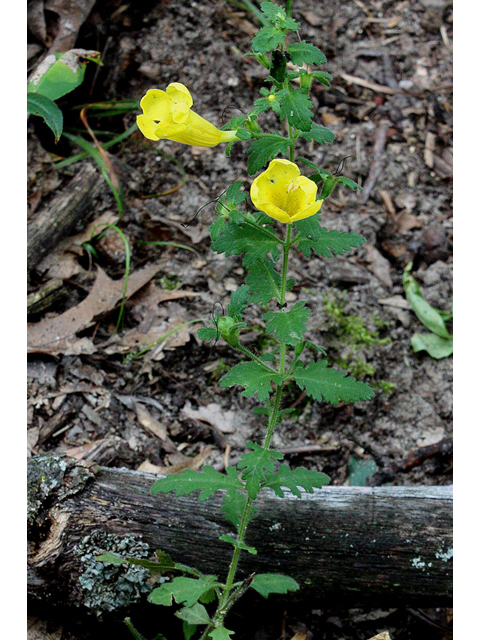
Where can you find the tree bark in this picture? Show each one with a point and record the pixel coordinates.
(348, 544)
(60, 218)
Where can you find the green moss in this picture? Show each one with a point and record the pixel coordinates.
(356, 338)
(107, 586)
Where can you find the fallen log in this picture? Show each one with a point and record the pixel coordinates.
(59, 219)
(350, 544)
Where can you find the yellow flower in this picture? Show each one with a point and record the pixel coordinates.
(167, 115)
(282, 193)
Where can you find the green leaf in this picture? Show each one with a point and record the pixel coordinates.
(208, 333)
(295, 106)
(359, 470)
(188, 630)
(111, 558)
(60, 73)
(220, 633)
(195, 615)
(322, 77)
(349, 183)
(185, 590)
(267, 39)
(264, 149)
(436, 346)
(325, 383)
(266, 583)
(288, 326)
(255, 242)
(428, 315)
(234, 505)
(238, 302)
(238, 545)
(322, 241)
(137, 635)
(207, 482)
(38, 105)
(318, 133)
(305, 52)
(257, 465)
(252, 376)
(264, 283)
(294, 478)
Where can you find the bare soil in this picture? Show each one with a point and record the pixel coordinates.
(392, 64)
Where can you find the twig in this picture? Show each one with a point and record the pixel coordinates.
(377, 165)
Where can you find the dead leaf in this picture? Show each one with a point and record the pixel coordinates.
(378, 265)
(213, 414)
(37, 630)
(406, 221)
(301, 635)
(382, 636)
(396, 301)
(151, 425)
(71, 15)
(57, 335)
(189, 463)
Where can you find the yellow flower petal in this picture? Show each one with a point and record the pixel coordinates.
(147, 126)
(282, 193)
(156, 104)
(178, 92)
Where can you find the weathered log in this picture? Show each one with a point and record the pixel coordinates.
(344, 543)
(59, 219)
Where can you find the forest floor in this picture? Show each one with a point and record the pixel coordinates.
(95, 398)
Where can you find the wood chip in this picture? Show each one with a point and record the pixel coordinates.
(429, 149)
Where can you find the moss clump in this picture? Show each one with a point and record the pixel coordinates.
(107, 586)
(356, 338)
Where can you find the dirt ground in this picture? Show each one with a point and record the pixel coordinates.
(392, 69)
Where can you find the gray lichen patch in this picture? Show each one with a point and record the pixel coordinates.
(52, 476)
(106, 587)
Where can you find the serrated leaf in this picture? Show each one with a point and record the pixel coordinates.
(238, 302)
(207, 482)
(294, 478)
(234, 505)
(318, 134)
(266, 583)
(238, 545)
(264, 149)
(324, 242)
(264, 282)
(197, 614)
(323, 77)
(185, 590)
(252, 376)
(273, 12)
(111, 558)
(256, 465)
(267, 39)
(305, 52)
(255, 242)
(288, 326)
(436, 346)
(295, 106)
(220, 633)
(349, 183)
(325, 383)
(208, 333)
(38, 105)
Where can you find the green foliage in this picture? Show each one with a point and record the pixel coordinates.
(360, 470)
(256, 242)
(324, 242)
(325, 383)
(267, 583)
(207, 482)
(296, 107)
(319, 134)
(264, 282)
(288, 326)
(294, 478)
(255, 378)
(257, 467)
(439, 342)
(185, 590)
(264, 149)
(305, 53)
(38, 105)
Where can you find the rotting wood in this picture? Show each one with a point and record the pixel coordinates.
(59, 219)
(347, 544)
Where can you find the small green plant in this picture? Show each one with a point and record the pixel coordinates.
(284, 217)
(353, 332)
(56, 76)
(439, 342)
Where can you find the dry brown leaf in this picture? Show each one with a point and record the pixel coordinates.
(37, 630)
(378, 265)
(382, 636)
(189, 463)
(301, 635)
(213, 414)
(57, 335)
(407, 221)
(72, 14)
(151, 425)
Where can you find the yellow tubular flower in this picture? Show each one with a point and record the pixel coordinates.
(167, 115)
(282, 193)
